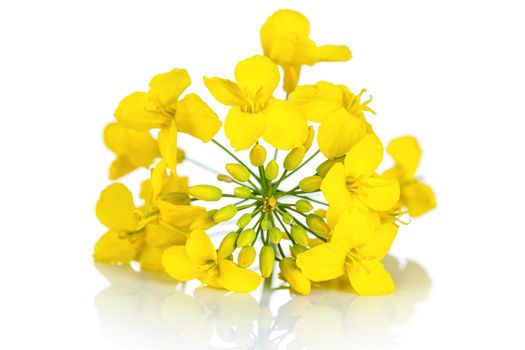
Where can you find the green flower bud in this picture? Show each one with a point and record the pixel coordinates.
(177, 198)
(266, 260)
(246, 256)
(320, 212)
(227, 245)
(242, 192)
(287, 218)
(299, 235)
(272, 170)
(224, 178)
(258, 155)
(297, 249)
(294, 158)
(225, 213)
(244, 220)
(246, 238)
(265, 224)
(238, 172)
(317, 225)
(310, 184)
(325, 166)
(275, 235)
(303, 206)
(205, 192)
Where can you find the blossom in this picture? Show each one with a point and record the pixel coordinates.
(161, 108)
(285, 40)
(198, 259)
(255, 113)
(340, 112)
(416, 196)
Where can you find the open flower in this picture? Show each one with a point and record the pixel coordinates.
(340, 112)
(255, 113)
(359, 243)
(198, 259)
(285, 40)
(160, 108)
(355, 183)
(416, 196)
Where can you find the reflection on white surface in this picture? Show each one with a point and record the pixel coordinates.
(141, 310)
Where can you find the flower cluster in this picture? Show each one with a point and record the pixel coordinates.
(343, 236)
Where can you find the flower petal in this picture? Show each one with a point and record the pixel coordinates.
(138, 112)
(200, 249)
(243, 129)
(323, 262)
(167, 141)
(379, 242)
(364, 157)
(178, 265)
(225, 91)
(369, 277)
(333, 53)
(418, 198)
(151, 259)
(334, 187)
(110, 248)
(167, 87)
(406, 153)
(237, 279)
(286, 125)
(196, 118)
(318, 101)
(115, 208)
(378, 193)
(258, 76)
(179, 216)
(283, 23)
(355, 228)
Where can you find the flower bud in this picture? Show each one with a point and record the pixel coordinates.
(303, 206)
(242, 192)
(311, 133)
(225, 213)
(297, 249)
(287, 218)
(258, 155)
(299, 235)
(266, 261)
(275, 235)
(325, 166)
(265, 224)
(244, 220)
(272, 170)
(246, 256)
(227, 245)
(320, 212)
(246, 238)
(177, 198)
(310, 184)
(318, 225)
(294, 276)
(238, 172)
(294, 158)
(224, 178)
(205, 192)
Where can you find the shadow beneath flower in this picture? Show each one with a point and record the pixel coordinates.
(143, 310)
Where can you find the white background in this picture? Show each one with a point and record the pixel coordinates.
(450, 72)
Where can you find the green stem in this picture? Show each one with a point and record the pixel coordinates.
(280, 180)
(285, 230)
(235, 157)
(306, 227)
(310, 199)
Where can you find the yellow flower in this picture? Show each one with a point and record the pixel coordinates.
(133, 148)
(285, 40)
(161, 108)
(358, 245)
(416, 196)
(198, 259)
(355, 183)
(255, 113)
(340, 112)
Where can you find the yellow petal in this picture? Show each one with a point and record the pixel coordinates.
(418, 198)
(243, 129)
(237, 279)
(160, 234)
(323, 262)
(225, 91)
(111, 248)
(158, 177)
(295, 277)
(167, 87)
(138, 112)
(369, 277)
(138, 146)
(258, 76)
(151, 259)
(286, 125)
(318, 101)
(333, 53)
(178, 265)
(339, 132)
(364, 157)
(294, 50)
(196, 118)
(334, 187)
(355, 228)
(115, 208)
(406, 153)
(378, 193)
(175, 183)
(120, 167)
(379, 242)
(179, 216)
(200, 249)
(168, 145)
(283, 23)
